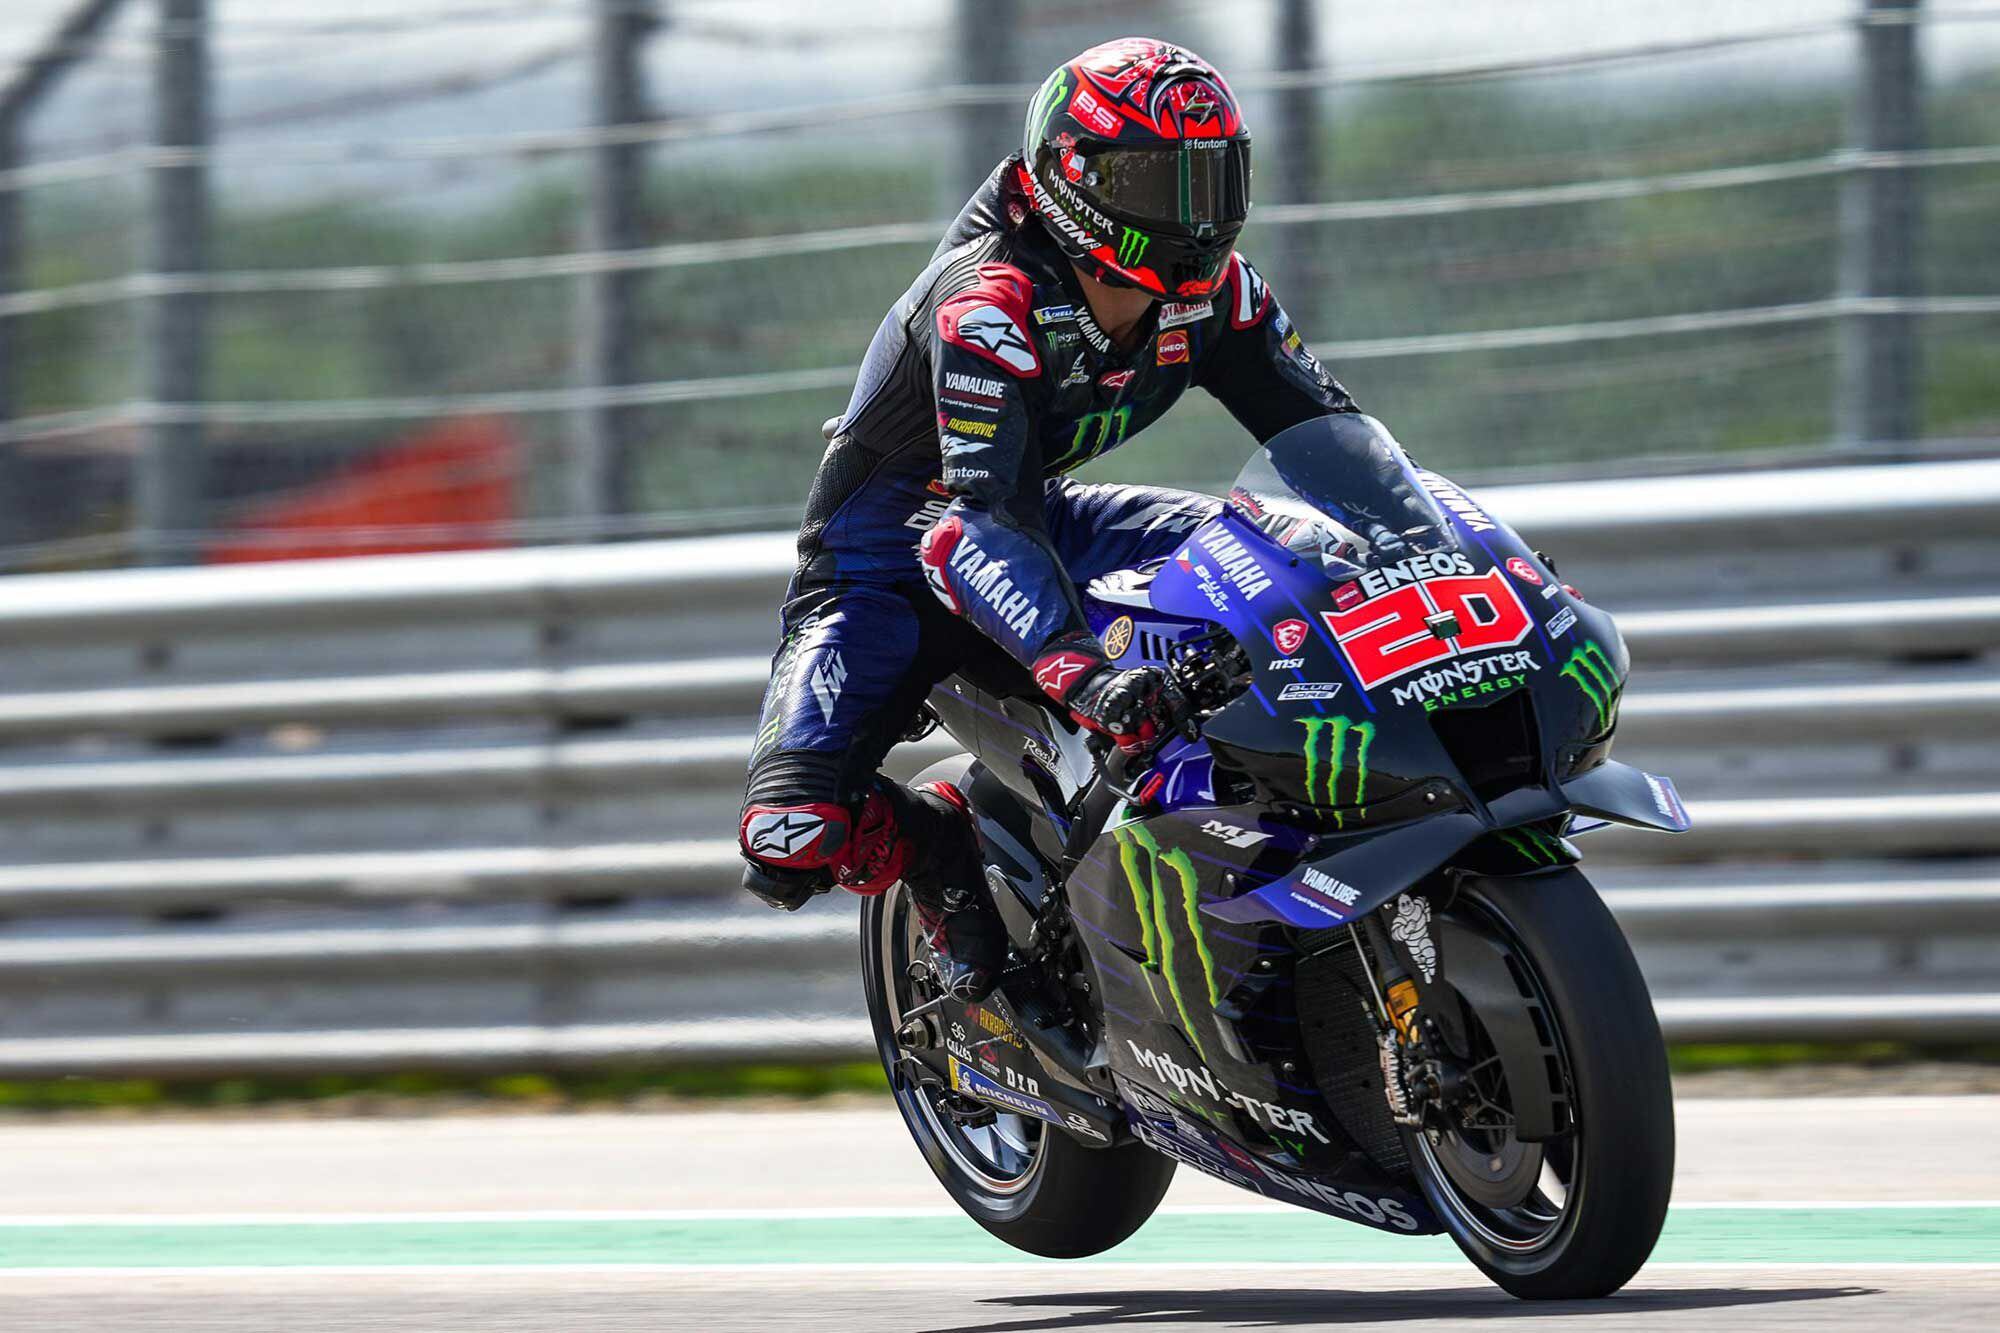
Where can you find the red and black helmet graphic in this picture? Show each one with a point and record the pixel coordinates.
(1136, 157)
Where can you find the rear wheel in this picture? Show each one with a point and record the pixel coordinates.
(1027, 1182)
(1576, 1214)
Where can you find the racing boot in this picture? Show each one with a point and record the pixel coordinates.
(954, 906)
(924, 838)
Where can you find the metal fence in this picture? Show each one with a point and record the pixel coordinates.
(544, 271)
(474, 810)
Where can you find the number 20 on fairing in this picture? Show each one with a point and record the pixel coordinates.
(1385, 637)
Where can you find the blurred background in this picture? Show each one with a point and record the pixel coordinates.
(538, 304)
(284, 278)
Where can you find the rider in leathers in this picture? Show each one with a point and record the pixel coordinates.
(1080, 292)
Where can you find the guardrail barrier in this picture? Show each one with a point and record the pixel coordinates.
(478, 810)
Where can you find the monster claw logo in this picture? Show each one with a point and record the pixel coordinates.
(1327, 760)
(1132, 247)
(1141, 858)
(1535, 846)
(1597, 678)
(1096, 433)
(1047, 102)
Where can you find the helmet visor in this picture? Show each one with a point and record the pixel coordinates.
(1195, 184)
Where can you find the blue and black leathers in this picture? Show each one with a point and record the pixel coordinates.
(986, 384)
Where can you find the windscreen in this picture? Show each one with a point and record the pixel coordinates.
(1341, 488)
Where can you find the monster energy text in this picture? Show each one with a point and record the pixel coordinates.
(1327, 759)
(1140, 856)
(1456, 682)
(1596, 677)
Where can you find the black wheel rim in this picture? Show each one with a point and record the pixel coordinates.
(1480, 1169)
(1002, 1153)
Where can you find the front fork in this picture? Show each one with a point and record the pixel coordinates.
(1417, 1070)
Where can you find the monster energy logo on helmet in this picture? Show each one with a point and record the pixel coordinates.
(1045, 104)
(1327, 760)
(1596, 677)
(1140, 856)
(1132, 247)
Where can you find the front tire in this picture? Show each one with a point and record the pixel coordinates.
(1026, 1182)
(1602, 1185)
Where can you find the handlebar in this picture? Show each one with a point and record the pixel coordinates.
(1208, 672)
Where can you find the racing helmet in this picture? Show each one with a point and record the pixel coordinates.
(1136, 158)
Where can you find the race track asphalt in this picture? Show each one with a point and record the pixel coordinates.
(1833, 1213)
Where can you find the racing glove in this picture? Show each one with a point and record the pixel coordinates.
(1128, 706)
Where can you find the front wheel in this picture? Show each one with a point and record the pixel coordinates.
(1574, 1214)
(1027, 1182)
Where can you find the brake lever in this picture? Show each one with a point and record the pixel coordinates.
(1183, 717)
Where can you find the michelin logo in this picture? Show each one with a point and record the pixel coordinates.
(1412, 929)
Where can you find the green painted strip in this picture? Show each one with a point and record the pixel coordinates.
(1876, 1235)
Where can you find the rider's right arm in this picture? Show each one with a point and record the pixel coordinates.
(989, 558)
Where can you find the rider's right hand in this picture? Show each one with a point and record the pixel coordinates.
(1131, 707)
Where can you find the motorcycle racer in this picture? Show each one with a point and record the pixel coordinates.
(1081, 291)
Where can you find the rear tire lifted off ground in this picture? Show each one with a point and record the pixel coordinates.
(1028, 1183)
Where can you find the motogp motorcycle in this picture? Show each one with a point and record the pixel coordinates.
(1326, 939)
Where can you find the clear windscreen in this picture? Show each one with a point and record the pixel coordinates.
(1342, 490)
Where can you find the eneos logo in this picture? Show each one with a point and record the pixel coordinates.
(1173, 348)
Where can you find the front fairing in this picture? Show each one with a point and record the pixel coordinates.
(1356, 712)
